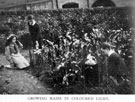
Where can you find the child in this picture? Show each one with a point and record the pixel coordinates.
(13, 55)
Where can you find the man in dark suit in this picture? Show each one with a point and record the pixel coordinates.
(114, 64)
(34, 31)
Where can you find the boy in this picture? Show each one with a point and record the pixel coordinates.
(114, 65)
(34, 31)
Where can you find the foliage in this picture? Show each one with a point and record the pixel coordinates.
(57, 22)
(69, 36)
(68, 71)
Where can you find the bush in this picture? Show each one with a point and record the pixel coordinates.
(68, 29)
(2, 46)
(54, 23)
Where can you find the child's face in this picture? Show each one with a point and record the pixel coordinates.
(14, 40)
(104, 51)
(30, 22)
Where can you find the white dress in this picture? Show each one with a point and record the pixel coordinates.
(16, 58)
(19, 60)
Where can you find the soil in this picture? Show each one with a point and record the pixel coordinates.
(15, 81)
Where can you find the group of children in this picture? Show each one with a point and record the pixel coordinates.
(114, 65)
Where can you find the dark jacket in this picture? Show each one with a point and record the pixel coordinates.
(34, 30)
(116, 65)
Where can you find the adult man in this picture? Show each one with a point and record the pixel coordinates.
(34, 31)
(114, 65)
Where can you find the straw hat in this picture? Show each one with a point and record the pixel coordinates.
(10, 36)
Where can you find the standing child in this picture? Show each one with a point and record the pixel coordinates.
(34, 30)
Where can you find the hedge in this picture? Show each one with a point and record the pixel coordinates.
(53, 23)
(59, 21)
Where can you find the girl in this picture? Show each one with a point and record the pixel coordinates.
(12, 52)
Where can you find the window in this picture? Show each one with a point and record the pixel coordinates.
(71, 5)
(103, 3)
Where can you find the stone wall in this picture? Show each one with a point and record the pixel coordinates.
(82, 3)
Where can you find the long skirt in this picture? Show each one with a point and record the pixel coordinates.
(20, 61)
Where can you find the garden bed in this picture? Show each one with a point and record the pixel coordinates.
(65, 31)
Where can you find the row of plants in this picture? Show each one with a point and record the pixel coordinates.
(67, 59)
(68, 37)
(57, 22)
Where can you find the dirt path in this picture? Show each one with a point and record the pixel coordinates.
(19, 82)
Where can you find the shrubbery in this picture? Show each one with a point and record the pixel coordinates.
(70, 29)
(110, 22)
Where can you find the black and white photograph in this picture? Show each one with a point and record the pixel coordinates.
(67, 47)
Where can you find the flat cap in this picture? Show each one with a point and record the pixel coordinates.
(106, 45)
(30, 17)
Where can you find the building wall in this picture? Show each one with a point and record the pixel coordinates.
(118, 3)
(86, 3)
(82, 3)
(121, 3)
(54, 2)
(4, 3)
(31, 4)
(43, 5)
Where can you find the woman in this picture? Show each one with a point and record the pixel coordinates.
(12, 52)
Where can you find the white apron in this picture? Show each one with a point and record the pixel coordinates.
(19, 61)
